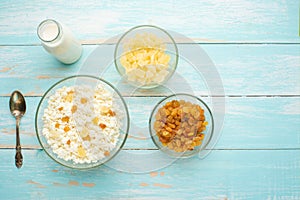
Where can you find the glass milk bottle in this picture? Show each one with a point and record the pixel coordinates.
(59, 41)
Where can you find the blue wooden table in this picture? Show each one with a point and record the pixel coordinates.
(255, 47)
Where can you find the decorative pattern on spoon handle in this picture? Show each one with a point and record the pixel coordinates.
(18, 157)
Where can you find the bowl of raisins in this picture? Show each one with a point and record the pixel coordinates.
(181, 125)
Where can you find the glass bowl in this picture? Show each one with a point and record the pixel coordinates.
(82, 122)
(181, 125)
(146, 56)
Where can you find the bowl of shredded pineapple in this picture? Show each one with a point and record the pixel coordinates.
(146, 56)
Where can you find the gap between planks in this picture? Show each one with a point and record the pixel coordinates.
(182, 43)
(159, 95)
(10, 147)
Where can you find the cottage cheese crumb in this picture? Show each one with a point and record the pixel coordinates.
(81, 124)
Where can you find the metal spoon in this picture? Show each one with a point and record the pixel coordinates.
(17, 107)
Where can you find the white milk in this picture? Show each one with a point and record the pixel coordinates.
(58, 40)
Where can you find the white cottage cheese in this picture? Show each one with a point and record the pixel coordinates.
(81, 124)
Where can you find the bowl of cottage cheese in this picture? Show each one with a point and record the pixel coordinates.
(82, 122)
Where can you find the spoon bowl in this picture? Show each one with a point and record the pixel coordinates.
(17, 104)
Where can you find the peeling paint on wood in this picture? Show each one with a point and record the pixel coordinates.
(5, 69)
(153, 174)
(161, 185)
(137, 138)
(73, 183)
(144, 184)
(59, 184)
(88, 184)
(43, 77)
(38, 185)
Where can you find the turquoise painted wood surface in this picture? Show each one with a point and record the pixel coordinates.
(241, 67)
(255, 47)
(207, 21)
(237, 174)
(250, 123)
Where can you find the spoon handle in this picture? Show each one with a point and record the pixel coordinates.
(18, 157)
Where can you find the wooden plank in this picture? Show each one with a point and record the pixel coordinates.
(250, 123)
(205, 21)
(222, 175)
(241, 68)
